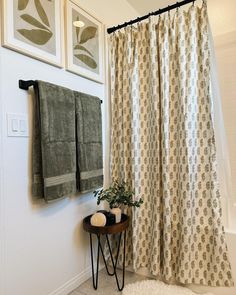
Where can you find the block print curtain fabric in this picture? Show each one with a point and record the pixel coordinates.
(163, 146)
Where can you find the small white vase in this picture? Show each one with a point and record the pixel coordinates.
(117, 213)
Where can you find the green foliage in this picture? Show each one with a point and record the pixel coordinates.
(90, 62)
(33, 21)
(80, 47)
(84, 35)
(37, 36)
(77, 29)
(87, 34)
(22, 4)
(41, 12)
(117, 195)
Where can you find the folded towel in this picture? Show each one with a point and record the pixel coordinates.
(54, 142)
(89, 142)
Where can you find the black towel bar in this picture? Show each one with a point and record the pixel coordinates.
(26, 84)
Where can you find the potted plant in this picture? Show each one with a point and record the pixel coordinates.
(117, 195)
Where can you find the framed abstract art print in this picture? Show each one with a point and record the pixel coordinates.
(34, 28)
(85, 43)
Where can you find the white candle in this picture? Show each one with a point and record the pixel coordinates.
(98, 219)
(117, 213)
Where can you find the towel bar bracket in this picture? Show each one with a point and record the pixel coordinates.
(26, 84)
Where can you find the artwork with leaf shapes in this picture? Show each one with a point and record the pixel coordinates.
(84, 43)
(31, 27)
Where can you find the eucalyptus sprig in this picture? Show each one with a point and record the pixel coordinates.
(117, 195)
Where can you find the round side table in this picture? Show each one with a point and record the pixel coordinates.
(117, 228)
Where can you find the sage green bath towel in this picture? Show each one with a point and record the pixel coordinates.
(54, 142)
(89, 142)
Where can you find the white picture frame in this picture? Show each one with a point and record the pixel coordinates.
(35, 29)
(84, 46)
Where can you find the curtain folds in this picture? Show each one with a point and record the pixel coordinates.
(163, 147)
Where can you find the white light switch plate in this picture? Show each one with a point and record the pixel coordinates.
(17, 125)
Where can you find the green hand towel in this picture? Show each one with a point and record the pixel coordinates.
(54, 142)
(89, 142)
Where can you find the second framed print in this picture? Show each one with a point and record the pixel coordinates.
(85, 43)
(35, 28)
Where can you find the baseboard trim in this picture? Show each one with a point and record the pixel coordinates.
(75, 282)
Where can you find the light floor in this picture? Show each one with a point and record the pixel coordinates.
(106, 284)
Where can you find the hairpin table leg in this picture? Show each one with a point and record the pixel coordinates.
(114, 262)
(104, 259)
(95, 280)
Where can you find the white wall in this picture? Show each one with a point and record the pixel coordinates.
(1, 195)
(223, 24)
(43, 247)
(222, 16)
(225, 48)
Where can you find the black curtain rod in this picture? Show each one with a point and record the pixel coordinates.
(26, 84)
(139, 19)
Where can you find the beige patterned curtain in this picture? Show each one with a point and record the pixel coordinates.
(163, 146)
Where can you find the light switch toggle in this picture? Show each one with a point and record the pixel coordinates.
(23, 125)
(17, 125)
